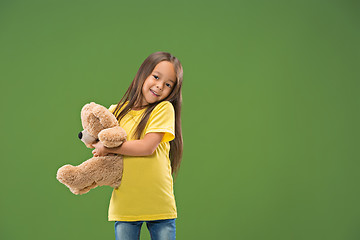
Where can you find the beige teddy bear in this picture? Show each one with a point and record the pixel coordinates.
(99, 125)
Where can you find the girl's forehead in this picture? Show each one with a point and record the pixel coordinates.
(164, 65)
(166, 68)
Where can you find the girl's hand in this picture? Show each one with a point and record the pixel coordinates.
(100, 150)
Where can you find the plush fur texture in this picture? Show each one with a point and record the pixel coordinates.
(99, 125)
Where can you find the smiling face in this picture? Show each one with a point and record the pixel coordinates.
(159, 84)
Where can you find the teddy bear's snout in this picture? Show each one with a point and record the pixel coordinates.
(86, 138)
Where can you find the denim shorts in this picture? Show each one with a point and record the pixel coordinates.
(159, 229)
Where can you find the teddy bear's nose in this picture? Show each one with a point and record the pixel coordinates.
(80, 135)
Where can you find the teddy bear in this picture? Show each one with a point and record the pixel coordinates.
(99, 124)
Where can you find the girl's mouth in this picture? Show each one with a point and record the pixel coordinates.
(154, 93)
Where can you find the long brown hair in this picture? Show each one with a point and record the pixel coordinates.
(134, 96)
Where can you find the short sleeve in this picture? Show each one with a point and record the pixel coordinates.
(162, 119)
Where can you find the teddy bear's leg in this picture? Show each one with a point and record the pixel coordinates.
(75, 177)
(67, 175)
(109, 171)
(90, 174)
(96, 171)
(117, 180)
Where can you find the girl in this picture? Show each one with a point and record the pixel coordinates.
(149, 112)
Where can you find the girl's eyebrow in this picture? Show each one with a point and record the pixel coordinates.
(161, 74)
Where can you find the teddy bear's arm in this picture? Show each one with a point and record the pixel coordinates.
(112, 137)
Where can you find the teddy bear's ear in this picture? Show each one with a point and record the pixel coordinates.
(106, 118)
(95, 118)
(112, 137)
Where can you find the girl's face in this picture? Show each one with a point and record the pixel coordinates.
(159, 83)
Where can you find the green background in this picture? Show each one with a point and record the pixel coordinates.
(270, 113)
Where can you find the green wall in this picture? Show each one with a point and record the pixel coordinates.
(270, 113)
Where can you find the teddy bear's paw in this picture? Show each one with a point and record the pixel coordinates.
(72, 177)
(112, 137)
(79, 191)
(86, 189)
(75, 191)
(66, 174)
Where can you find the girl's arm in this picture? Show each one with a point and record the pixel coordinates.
(143, 147)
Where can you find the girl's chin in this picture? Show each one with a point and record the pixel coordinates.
(149, 101)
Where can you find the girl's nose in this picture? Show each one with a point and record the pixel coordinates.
(159, 86)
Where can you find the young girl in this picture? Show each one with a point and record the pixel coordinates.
(149, 112)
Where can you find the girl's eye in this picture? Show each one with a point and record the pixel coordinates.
(168, 85)
(156, 77)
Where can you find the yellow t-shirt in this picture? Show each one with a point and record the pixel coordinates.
(146, 190)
